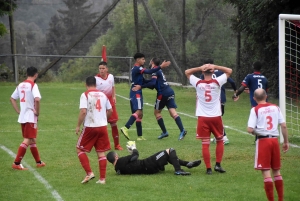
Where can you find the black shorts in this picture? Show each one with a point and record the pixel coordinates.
(156, 162)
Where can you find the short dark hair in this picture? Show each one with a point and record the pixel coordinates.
(138, 55)
(90, 81)
(257, 65)
(31, 71)
(102, 63)
(156, 61)
(111, 156)
(208, 61)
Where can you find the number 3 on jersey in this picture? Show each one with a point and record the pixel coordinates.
(98, 105)
(207, 96)
(269, 122)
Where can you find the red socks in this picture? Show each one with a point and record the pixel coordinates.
(21, 152)
(205, 153)
(102, 167)
(115, 133)
(219, 150)
(35, 152)
(84, 162)
(279, 186)
(268, 183)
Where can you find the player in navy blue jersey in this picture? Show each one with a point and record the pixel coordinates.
(136, 97)
(216, 74)
(165, 98)
(253, 81)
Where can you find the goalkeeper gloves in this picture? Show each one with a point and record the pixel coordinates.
(131, 146)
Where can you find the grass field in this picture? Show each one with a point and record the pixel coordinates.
(60, 179)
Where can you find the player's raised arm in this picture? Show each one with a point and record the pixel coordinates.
(191, 71)
(226, 70)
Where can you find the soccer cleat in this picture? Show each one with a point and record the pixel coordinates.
(208, 171)
(219, 169)
(124, 130)
(140, 138)
(100, 181)
(118, 147)
(166, 134)
(18, 167)
(182, 172)
(88, 178)
(193, 164)
(41, 164)
(182, 134)
(225, 140)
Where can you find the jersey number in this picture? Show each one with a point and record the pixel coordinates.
(259, 84)
(207, 96)
(98, 105)
(269, 122)
(23, 98)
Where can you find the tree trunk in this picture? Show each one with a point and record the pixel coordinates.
(13, 45)
(183, 47)
(238, 52)
(177, 69)
(136, 26)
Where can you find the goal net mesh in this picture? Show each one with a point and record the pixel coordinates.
(292, 76)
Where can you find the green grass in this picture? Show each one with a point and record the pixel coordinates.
(57, 139)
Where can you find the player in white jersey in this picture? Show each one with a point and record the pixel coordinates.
(29, 95)
(95, 109)
(208, 110)
(263, 122)
(105, 83)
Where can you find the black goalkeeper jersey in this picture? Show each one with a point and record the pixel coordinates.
(151, 165)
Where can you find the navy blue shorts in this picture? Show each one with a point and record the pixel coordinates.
(165, 101)
(136, 102)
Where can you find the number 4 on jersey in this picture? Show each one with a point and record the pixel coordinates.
(98, 105)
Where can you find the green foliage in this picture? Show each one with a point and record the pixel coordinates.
(258, 22)
(208, 35)
(5, 8)
(57, 139)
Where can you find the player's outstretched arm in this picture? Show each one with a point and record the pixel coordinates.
(235, 96)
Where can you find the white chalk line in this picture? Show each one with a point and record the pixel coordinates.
(231, 128)
(41, 179)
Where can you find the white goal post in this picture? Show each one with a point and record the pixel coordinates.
(289, 67)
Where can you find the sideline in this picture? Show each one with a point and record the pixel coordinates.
(231, 128)
(41, 179)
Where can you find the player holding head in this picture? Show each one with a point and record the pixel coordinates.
(263, 122)
(165, 98)
(216, 74)
(153, 164)
(29, 95)
(136, 97)
(252, 82)
(94, 132)
(208, 110)
(105, 83)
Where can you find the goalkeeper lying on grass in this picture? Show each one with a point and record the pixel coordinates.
(151, 165)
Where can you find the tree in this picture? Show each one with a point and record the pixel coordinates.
(258, 22)
(6, 6)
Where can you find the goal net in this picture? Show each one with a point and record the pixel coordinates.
(289, 73)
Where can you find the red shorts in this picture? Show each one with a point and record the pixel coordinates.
(29, 130)
(267, 154)
(208, 125)
(94, 137)
(114, 116)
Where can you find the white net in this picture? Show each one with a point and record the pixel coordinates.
(292, 77)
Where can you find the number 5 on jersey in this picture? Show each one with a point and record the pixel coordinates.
(207, 96)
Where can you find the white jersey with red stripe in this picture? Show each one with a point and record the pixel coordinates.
(264, 119)
(96, 104)
(26, 91)
(208, 95)
(105, 85)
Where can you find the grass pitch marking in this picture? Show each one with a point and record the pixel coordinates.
(41, 179)
(231, 128)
